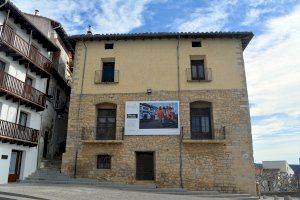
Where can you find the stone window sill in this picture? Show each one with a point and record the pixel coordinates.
(189, 141)
(102, 141)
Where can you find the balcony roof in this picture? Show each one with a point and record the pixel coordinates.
(245, 37)
(27, 25)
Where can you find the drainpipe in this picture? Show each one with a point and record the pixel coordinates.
(78, 131)
(181, 129)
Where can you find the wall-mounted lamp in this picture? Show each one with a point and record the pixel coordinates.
(149, 91)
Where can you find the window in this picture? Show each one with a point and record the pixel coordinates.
(106, 124)
(201, 120)
(196, 44)
(109, 45)
(108, 72)
(29, 81)
(2, 66)
(23, 118)
(197, 70)
(103, 162)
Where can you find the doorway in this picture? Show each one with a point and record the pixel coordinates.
(15, 166)
(145, 166)
(46, 138)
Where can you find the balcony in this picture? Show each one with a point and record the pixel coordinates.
(205, 77)
(106, 76)
(17, 90)
(17, 134)
(216, 136)
(20, 50)
(107, 135)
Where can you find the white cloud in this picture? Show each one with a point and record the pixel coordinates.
(273, 71)
(254, 14)
(279, 148)
(118, 16)
(210, 18)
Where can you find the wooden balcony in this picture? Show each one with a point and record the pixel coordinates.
(17, 134)
(17, 90)
(20, 50)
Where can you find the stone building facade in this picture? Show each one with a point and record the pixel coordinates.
(158, 67)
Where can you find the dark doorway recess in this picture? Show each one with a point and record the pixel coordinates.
(144, 165)
(46, 141)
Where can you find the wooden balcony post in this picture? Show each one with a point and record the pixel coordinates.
(16, 121)
(47, 86)
(4, 23)
(30, 38)
(6, 18)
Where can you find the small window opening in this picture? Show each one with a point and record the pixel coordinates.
(109, 45)
(103, 162)
(196, 44)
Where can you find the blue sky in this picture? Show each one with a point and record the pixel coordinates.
(272, 59)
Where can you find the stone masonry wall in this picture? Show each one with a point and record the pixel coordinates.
(206, 166)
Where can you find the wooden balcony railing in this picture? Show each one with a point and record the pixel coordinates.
(97, 133)
(12, 131)
(16, 42)
(16, 87)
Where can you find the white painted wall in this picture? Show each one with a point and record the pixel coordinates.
(282, 165)
(9, 112)
(28, 165)
(19, 71)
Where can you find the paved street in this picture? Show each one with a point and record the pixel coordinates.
(75, 192)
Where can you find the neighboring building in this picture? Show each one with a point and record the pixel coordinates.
(55, 117)
(168, 108)
(281, 165)
(276, 176)
(25, 66)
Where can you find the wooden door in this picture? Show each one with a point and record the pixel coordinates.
(15, 166)
(144, 166)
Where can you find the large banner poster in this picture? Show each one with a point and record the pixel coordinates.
(152, 118)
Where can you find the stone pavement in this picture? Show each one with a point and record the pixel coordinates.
(20, 191)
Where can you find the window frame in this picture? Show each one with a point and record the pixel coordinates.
(196, 44)
(199, 74)
(108, 74)
(106, 130)
(27, 118)
(108, 46)
(104, 165)
(205, 128)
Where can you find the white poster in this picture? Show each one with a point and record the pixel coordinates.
(152, 118)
